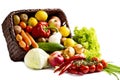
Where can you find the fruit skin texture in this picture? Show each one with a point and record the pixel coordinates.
(32, 21)
(36, 58)
(65, 31)
(24, 17)
(92, 68)
(55, 21)
(99, 67)
(55, 59)
(69, 42)
(16, 19)
(28, 29)
(41, 15)
(84, 69)
(104, 63)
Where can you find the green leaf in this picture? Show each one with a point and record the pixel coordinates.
(88, 38)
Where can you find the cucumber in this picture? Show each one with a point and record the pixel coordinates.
(50, 46)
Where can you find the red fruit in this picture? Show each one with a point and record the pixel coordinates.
(84, 69)
(99, 67)
(104, 63)
(92, 68)
(95, 59)
(28, 29)
(55, 59)
(55, 21)
(72, 71)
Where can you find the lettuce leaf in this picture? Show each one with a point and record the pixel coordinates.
(88, 38)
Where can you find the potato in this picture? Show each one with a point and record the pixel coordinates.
(17, 29)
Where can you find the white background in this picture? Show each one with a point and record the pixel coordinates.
(103, 15)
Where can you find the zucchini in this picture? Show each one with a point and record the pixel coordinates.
(50, 46)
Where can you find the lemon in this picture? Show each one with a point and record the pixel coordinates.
(41, 15)
(69, 42)
(32, 21)
(65, 31)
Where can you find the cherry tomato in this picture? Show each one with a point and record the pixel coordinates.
(29, 29)
(104, 63)
(99, 67)
(95, 59)
(23, 25)
(72, 71)
(92, 68)
(84, 69)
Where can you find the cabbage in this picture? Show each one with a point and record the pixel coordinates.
(36, 58)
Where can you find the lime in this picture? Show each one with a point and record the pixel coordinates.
(65, 31)
(41, 15)
(69, 42)
(32, 21)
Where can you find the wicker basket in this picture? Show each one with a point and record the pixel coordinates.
(16, 53)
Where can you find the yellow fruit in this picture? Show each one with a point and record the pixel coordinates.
(65, 31)
(41, 15)
(69, 42)
(32, 21)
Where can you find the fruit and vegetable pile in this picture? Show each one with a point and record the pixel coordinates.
(47, 44)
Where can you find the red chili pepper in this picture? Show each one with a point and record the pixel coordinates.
(68, 61)
(65, 68)
(41, 30)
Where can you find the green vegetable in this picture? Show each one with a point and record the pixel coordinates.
(50, 46)
(113, 69)
(88, 38)
(91, 53)
(36, 58)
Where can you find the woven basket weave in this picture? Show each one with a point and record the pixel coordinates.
(16, 53)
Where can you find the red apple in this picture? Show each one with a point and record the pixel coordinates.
(55, 21)
(55, 59)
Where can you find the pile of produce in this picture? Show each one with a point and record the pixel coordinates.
(47, 44)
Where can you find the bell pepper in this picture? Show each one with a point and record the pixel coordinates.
(41, 30)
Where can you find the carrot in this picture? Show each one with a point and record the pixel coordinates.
(22, 44)
(18, 37)
(26, 38)
(34, 44)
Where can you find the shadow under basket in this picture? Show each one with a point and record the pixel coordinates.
(16, 53)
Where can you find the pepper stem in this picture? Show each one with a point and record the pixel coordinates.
(52, 26)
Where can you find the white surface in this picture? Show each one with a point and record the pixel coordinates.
(103, 15)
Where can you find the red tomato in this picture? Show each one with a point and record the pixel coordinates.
(104, 63)
(72, 71)
(92, 68)
(84, 69)
(95, 59)
(99, 67)
(29, 29)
